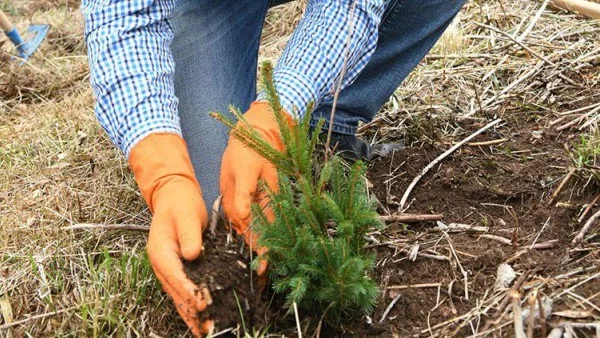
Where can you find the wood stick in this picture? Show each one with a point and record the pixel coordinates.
(440, 158)
(498, 238)
(500, 309)
(107, 227)
(414, 286)
(389, 308)
(298, 327)
(436, 257)
(459, 227)
(519, 327)
(539, 246)
(539, 233)
(542, 313)
(464, 272)
(40, 316)
(578, 119)
(450, 301)
(588, 208)
(487, 143)
(586, 227)
(406, 218)
(568, 112)
(544, 245)
(533, 21)
(561, 186)
(534, 53)
(585, 8)
(532, 300)
(5, 22)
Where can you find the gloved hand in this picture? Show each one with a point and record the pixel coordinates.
(164, 174)
(242, 168)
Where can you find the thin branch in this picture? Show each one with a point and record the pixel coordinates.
(40, 316)
(389, 308)
(132, 227)
(561, 186)
(298, 327)
(539, 233)
(586, 227)
(414, 286)
(518, 319)
(588, 209)
(487, 143)
(408, 218)
(440, 158)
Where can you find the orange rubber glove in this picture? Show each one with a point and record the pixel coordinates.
(242, 168)
(164, 174)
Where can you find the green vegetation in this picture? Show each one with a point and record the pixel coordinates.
(322, 212)
(585, 154)
(587, 151)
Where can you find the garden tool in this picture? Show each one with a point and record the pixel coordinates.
(25, 48)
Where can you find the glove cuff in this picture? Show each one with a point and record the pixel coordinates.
(157, 159)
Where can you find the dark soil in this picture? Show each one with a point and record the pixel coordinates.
(505, 187)
(225, 269)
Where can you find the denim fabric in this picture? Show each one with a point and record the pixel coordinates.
(408, 31)
(215, 51)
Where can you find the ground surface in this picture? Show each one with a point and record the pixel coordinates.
(58, 169)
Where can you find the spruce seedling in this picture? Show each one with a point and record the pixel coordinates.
(317, 255)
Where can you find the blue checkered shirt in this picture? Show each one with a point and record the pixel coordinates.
(132, 66)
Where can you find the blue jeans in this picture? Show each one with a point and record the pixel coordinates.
(216, 52)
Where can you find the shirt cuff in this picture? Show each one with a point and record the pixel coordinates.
(294, 89)
(136, 135)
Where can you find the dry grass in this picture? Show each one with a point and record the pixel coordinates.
(57, 168)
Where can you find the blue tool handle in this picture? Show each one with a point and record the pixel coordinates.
(16, 39)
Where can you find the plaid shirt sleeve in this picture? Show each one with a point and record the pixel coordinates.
(131, 65)
(309, 69)
(131, 68)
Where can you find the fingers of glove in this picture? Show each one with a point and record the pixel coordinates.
(245, 190)
(262, 267)
(187, 311)
(190, 219)
(252, 241)
(238, 180)
(168, 268)
(269, 174)
(208, 326)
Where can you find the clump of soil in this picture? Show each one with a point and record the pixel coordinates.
(224, 267)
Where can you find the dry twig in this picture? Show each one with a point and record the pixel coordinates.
(588, 208)
(414, 286)
(35, 317)
(440, 158)
(408, 218)
(586, 227)
(107, 227)
(561, 186)
(389, 308)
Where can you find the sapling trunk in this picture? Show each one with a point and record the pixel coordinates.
(317, 254)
